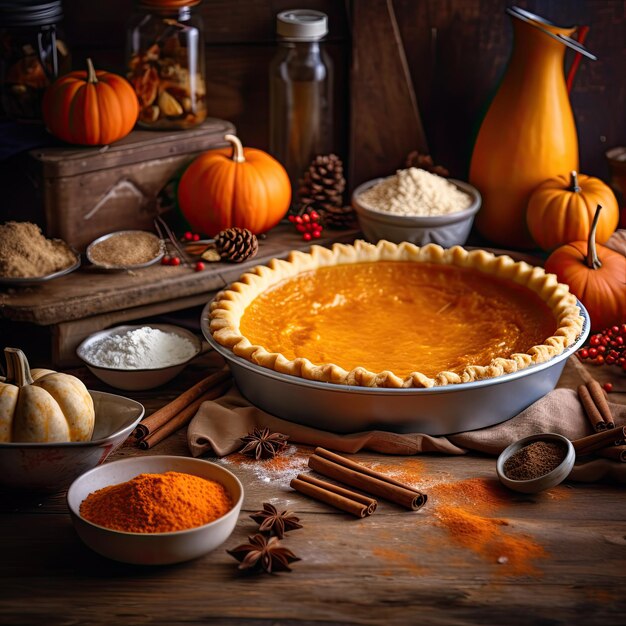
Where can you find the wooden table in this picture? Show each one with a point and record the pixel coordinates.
(395, 567)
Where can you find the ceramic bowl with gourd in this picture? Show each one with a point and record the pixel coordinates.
(52, 428)
(153, 548)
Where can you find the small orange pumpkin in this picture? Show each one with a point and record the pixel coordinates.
(561, 210)
(90, 107)
(242, 187)
(596, 275)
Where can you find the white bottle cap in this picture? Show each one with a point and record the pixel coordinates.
(301, 25)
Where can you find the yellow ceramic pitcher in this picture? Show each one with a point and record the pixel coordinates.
(528, 134)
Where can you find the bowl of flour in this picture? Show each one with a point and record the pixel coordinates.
(139, 357)
(416, 206)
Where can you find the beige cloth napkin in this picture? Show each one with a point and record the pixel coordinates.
(218, 425)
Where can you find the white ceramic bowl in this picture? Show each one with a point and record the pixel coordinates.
(445, 230)
(153, 548)
(551, 479)
(53, 466)
(136, 379)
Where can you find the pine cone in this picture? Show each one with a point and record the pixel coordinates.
(339, 217)
(236, 244)
(425, 162)
(321, 189)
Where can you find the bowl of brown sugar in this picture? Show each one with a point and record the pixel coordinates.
(125, 250)
(536, 463)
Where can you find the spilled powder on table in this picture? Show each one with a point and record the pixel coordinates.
(488, 537)
(398, 558)
(278, 470)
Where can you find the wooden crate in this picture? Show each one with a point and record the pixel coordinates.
(82, 193)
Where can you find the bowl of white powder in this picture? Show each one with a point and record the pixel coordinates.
(139, 357)
(416, 206)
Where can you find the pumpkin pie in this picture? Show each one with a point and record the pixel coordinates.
(390, 315)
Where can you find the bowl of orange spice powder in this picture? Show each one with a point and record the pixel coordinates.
(155, 510)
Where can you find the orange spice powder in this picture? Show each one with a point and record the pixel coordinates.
(486, 537)
(481, 493)
(157, 503)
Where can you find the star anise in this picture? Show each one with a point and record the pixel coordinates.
(261, 554)
(263, 444)
(272, 521)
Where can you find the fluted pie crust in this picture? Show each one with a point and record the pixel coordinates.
(273, 288)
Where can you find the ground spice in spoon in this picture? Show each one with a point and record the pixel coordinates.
(535, 460)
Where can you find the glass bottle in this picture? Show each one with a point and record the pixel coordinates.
(301, 107)
(33, 53)
(165, 63)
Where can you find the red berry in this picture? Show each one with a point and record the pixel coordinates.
(188, 236)
(292, 218)
(608, 387)
(298, 219)
(196, 237)
(593, 353)
(306, 236)
(316, 234)
(174, 261)
(199, 266)
(595, 340)
(599, 360)
(584, 353)
(306, 217)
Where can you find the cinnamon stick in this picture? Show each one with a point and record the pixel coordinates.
(182, 418)
(597, 394)
(402, 495)
(590, 408)
(343, 499)
(604, 439)
(616, 453)
(161, 416)
(346, 462)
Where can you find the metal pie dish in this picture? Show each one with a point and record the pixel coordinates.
(551, 479)
(153, 548)
(53, 466)
(30, 281)
(117, 268)
(445, 230)
(136, 379)
(442, 410)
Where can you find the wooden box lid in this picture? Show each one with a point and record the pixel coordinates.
(139, 146)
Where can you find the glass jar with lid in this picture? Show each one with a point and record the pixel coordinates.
(301, 107)
(165, 63)
(33, 53)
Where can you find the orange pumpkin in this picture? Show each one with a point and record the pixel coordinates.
(561, 210)
(596, 275)
(90, 107)
(242, 187)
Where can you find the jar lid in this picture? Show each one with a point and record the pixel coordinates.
(302, 25)
(168, 4)
(30, 12)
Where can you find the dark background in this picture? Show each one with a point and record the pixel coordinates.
(456, 52)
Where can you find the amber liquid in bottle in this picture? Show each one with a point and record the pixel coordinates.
(300, 107)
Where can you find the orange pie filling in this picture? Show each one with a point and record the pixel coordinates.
(395, 315)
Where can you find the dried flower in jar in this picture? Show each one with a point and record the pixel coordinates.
(166, 69)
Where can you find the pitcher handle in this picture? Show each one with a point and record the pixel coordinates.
(581, 35)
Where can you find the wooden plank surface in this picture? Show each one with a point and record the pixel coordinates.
(385, 122)
(395, 567)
